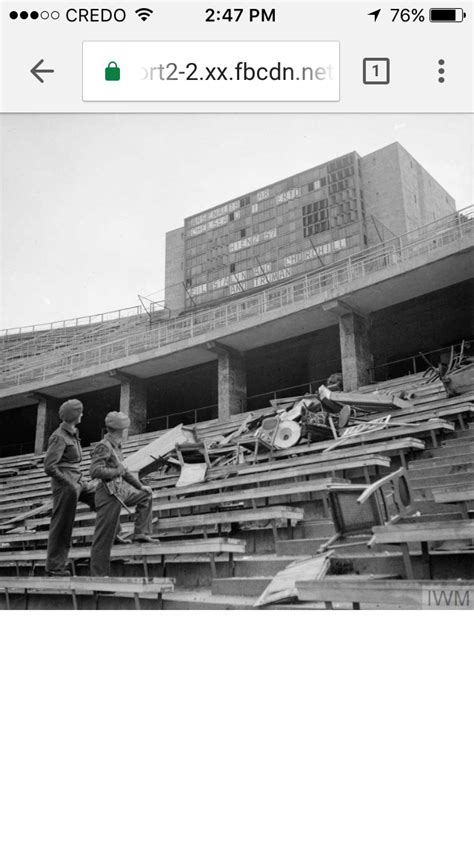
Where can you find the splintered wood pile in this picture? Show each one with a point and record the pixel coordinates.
(149, 458)
(456, 374)
(309, 418)
(283, 587)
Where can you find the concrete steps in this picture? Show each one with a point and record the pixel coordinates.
(441, 480)
(445, 515)
(425, 492)
(426, 495)
(248, 566)
(468, 433)
(308, 538)
(430, 471)
(452, 456)
(432, 509)
(387, 561)
(254, 587)
(457, 563)
(204, 599)
(317, 529)
(240, 586)
(444, 457)
(309, 546)
(455, 444)
(459, 451)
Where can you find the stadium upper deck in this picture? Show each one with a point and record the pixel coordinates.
(410, 293)
(38, 356)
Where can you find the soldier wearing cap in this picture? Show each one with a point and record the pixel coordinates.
(114, 487)
(62, 463)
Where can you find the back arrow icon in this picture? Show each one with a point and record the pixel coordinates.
(36, 70)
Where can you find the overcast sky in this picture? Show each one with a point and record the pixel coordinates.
(87, 199)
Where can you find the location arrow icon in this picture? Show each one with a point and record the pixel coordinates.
(375, 14)
(36, 70)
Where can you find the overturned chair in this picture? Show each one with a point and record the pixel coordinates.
(357, 510)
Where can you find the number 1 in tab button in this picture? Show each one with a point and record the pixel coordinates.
(376, 71)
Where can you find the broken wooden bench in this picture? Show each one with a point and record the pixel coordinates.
(232, 502)
(406, 533)
(202, 523)
(258, 479)
(463, 496)
(211, 550)
(82, 586)
(25, 507)
(431, 427)
(404, 595)
(404, 433)
(273, 476)
(8, 472)
(455, 408)
(331, 463)
(311, 454)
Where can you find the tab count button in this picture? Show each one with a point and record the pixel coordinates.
(376, 71)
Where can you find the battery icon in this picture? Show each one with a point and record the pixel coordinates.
(447, 15)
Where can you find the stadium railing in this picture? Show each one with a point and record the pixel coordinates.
(84, 351)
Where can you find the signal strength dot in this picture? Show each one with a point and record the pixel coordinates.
(143, 13)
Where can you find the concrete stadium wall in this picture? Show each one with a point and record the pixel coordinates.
(18, 431)
(176, 392)
(96, 406)
(400, 193)
(441, 318)
(174, 270)
(431, 321)
(304, 359)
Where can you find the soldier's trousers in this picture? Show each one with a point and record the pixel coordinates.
(107, 524)
(65, 499)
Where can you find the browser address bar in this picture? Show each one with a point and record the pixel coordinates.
(210, 71)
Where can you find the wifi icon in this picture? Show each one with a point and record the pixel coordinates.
(143, 14)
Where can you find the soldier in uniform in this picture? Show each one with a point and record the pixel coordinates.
(62, 463)
(114, 486)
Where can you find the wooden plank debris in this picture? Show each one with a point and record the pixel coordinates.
(26, 515)
(373, 401)
(146, 459)
(85, 584)
(283, 586)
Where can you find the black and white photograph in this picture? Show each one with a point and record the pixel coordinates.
(236, 421)
(237, 362)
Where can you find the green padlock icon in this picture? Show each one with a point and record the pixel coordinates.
(112, 72)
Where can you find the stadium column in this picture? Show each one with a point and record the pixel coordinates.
(133, 401)
(47, 420)
(356, 357)
(231, 381)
